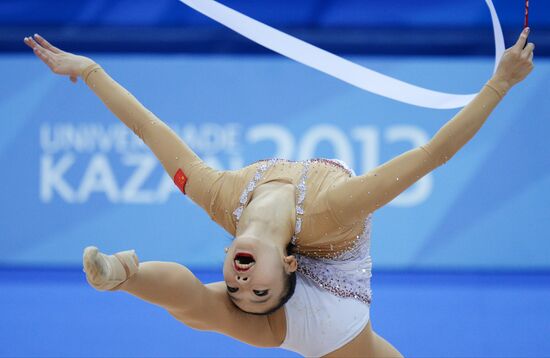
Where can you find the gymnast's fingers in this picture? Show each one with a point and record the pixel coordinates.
(528, 50)
(40, 52)
(44, 56)
(29, 41)
(44, 43)
(520, 44)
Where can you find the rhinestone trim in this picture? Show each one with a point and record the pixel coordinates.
(335, 163)
(346, 275)
(260, 171)
(268, 163)
(300, 197)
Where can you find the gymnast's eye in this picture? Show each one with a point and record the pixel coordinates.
(260, 292)
(232, 289)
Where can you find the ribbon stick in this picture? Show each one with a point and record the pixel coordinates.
(338, 67)
(526, 23)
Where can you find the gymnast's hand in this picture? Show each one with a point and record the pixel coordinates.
(516, 63)
(60, 62)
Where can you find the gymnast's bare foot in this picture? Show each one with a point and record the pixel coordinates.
(108, 272)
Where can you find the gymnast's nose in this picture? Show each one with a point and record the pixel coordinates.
(243, 280)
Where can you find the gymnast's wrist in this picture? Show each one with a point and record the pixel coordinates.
(87, 69)
(499, 85)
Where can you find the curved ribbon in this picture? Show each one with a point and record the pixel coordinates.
(335, 66)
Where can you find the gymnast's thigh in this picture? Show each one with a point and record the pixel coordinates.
(367, 344)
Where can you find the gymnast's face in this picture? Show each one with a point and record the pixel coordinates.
(254, 273)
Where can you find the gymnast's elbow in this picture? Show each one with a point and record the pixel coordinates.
(436, 154)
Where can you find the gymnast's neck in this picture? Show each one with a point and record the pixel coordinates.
(270, 215)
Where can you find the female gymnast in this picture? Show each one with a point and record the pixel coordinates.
(297, 275)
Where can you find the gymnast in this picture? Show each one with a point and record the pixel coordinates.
(297, 275)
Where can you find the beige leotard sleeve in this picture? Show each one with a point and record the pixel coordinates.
(349, 200)
(352, 198)
(213, 190)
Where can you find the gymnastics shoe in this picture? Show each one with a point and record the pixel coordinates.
(108, 272)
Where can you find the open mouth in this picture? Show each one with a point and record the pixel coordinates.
(243, 261)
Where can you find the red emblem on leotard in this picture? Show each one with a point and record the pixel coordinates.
(180, 179)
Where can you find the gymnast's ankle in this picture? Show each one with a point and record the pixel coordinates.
(109, 272)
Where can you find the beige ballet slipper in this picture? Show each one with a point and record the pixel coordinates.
(108, 272)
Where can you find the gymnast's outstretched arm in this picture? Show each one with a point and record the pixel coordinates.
(170, 150)
(200, 182)
(353, 198)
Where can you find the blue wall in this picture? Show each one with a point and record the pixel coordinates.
(56, 314)
(344, 26)
(74, 176)
(460, 260)
(321, 13)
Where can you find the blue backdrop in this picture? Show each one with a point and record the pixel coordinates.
(324, 13)
(461, 264)
(74, 176)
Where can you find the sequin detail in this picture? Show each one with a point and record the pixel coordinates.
(300, 197)
(347, 274)
(335, 163)
(268, 163)
(262, 168)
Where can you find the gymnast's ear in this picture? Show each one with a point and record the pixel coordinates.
(291, 265)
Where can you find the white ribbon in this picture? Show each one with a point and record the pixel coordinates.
(339, 67)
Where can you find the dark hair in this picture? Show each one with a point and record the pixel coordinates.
(290, 287)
